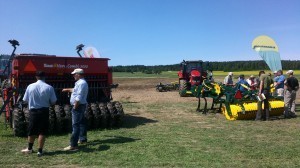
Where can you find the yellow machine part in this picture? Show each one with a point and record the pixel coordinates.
(277, 108)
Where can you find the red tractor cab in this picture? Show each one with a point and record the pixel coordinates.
(192, 74)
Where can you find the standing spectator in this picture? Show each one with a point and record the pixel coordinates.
(279, 85)
(78, 101)
(252, 82)
(264, 91)
(292, 86)
(275, 76)
(210, 76)
(242, 81)
(275, 79)
(228, 79)
(39, 96)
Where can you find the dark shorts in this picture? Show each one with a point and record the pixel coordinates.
(38, 122)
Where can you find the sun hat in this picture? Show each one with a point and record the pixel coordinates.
(78, 71)
(289, 72)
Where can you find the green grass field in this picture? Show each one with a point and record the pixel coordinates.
(169, 135)
(171, 140)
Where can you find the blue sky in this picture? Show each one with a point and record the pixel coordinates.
(151, 32)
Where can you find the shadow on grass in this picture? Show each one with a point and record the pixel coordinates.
(130, 121)
(112, 140)
(102, 145)
(129, 102)
(281, 117)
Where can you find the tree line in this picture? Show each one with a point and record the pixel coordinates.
(216, 66)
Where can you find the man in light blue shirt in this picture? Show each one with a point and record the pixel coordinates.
(242, 81)
(39, 96)
(279, 84)
(79, 101)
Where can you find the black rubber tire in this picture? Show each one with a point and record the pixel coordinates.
(52, 121)
(104, 115)
(26, 115)
(18, 123)
(112, 112)
(89, 117)
(97, 115)
(160, 89)
(68, 118)
(119, 115)
(182, 87)
(60, 116)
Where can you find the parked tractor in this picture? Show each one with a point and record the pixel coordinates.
(192, 74)
(101, 111)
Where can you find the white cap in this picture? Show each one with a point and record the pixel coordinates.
(78, 71)
(275, 72)
(289, 72)
(230, 73)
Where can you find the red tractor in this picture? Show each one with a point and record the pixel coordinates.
(191, 75)
(101, 112)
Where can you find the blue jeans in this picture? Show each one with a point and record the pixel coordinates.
(79, 125)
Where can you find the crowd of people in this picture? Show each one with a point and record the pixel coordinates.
(284, 87)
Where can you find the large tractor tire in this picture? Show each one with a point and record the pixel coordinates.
(182, 87)
(104, 115)
(119, 108)
(18, 123)
(119, 115)
(52, 121)
(26, 117)
(112, 111)
(89, 117)
(60, 116)
(97, 115)
(68, 118)
(116, 113)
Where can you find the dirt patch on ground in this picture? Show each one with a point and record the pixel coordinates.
(142, 91)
